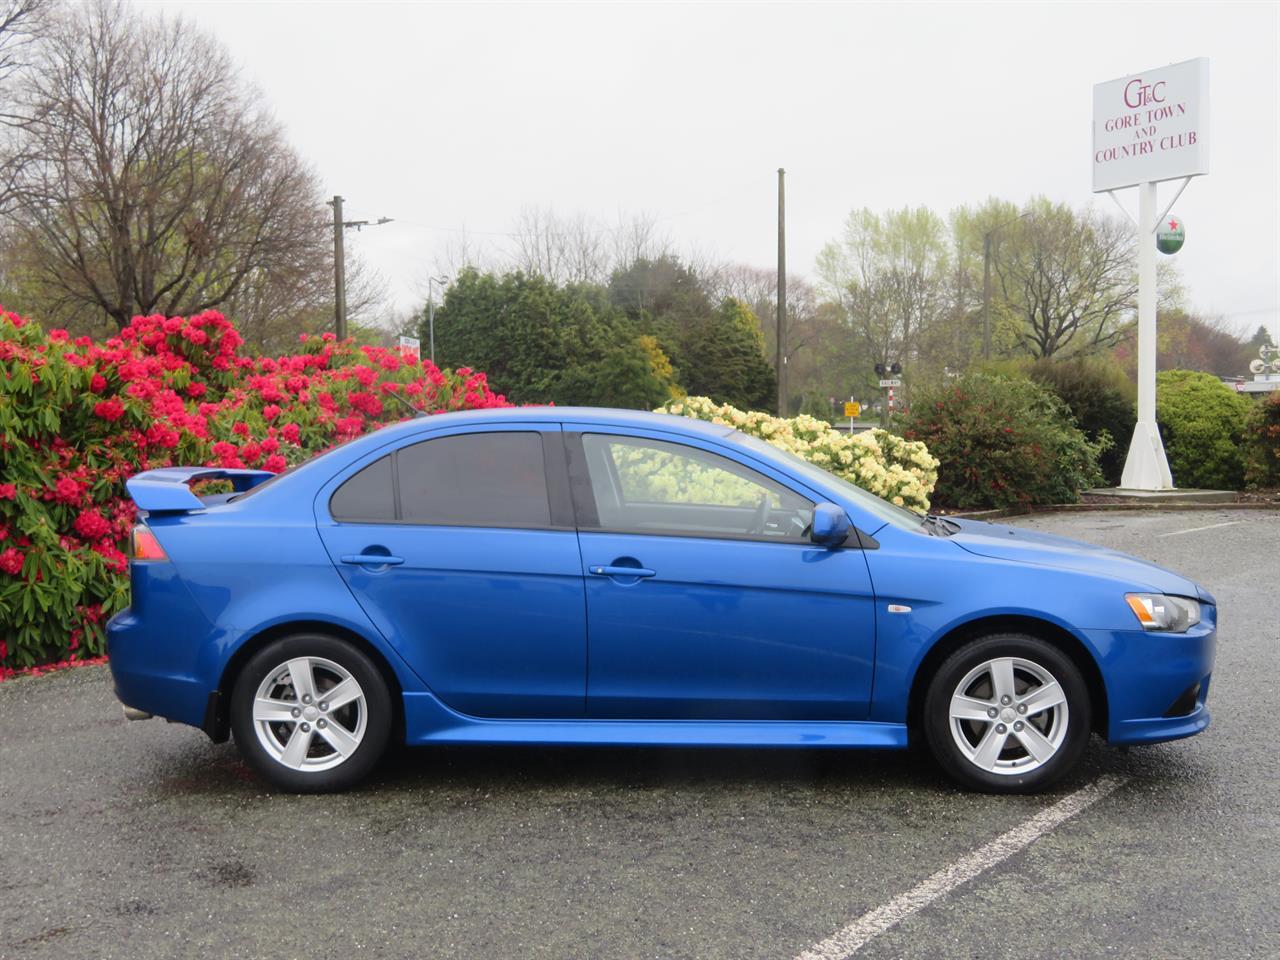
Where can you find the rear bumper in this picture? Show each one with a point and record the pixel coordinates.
(150, 674)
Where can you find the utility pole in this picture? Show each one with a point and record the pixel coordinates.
(781, 361)
(339, 273)
(339, 263)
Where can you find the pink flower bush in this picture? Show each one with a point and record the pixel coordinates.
(166, 391)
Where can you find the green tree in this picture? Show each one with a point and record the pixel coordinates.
(890, 275)
(725, 358)
(539, 342)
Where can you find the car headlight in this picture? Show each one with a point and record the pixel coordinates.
(1156, 611)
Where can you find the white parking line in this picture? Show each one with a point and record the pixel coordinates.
(844, 943)
(1212, 526)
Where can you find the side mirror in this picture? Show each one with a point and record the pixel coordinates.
(831, 525)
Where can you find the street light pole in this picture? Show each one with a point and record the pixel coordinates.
(431, 312)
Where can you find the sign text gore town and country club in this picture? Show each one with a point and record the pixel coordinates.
(1151, 126)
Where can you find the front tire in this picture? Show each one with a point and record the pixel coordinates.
(311, 713)
(1008, 713)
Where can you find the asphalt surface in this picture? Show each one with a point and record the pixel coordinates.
(144, 840)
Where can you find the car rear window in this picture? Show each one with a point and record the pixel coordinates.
(368, 496)
(493, 479)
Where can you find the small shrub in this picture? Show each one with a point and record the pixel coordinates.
(1100, 398)
(1262, 443)
(1201, 421)
(898, 470)
(1003, 441)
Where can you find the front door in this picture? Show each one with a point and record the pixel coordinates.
(705, 599)
(482, 589)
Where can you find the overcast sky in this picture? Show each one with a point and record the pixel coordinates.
(448, 116)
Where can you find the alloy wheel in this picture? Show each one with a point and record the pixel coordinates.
(310, 714)
(1008, 716)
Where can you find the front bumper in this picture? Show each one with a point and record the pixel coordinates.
(1150, 678)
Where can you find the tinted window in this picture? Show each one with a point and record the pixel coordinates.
(367, 496)
(641, 484)
(483, 479)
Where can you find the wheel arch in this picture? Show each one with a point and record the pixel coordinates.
(217, 721)
(1046, 630)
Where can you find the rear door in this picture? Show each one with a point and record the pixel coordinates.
(705, 598)
(481, 589)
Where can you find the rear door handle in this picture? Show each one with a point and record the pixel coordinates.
(623, 572)
(372, 559)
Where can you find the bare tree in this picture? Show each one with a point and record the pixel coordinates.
(20, 24)
(152, 181)
(579, 249)
(1071, 276)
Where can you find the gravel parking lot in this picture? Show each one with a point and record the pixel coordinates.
(144, 840)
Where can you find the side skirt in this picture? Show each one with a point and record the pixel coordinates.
(427, 720)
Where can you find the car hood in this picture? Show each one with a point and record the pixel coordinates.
(1029, 546)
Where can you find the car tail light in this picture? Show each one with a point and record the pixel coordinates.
(143, 545)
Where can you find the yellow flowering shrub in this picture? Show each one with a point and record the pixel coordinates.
(900, 471)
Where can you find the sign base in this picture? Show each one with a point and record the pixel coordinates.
(1146, 467)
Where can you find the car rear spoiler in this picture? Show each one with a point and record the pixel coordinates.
(168, 491)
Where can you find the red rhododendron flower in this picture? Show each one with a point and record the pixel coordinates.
(91, 525)
(11, 561)
(67, 491)
(270, 412)
(8, 491)
(111, 409)
(291, 432)
(98, 383)
(275, 463)
(241, 428)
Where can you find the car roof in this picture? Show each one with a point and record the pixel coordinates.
(601, 416)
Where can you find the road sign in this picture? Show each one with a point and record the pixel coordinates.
(412, 344)
(852, 409)
(890, 383)
(1171, 234)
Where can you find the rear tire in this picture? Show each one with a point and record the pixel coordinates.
(1007, 713)
(311, 713)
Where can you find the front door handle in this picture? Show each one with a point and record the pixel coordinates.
(372, 559)
(623, 572)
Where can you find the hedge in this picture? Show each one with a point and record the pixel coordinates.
(77, 418)
(1201, 421)
(1003, 441)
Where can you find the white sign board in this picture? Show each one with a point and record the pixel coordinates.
(1151, 126)
(890, 383)
(412, 344)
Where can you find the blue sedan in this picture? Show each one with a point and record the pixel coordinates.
(585, 576)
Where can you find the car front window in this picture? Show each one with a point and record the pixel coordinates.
(899, 517)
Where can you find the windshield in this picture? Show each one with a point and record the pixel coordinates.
(900, 517)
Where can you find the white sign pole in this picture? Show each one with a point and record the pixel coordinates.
(1146, 467)
(1148, 128)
